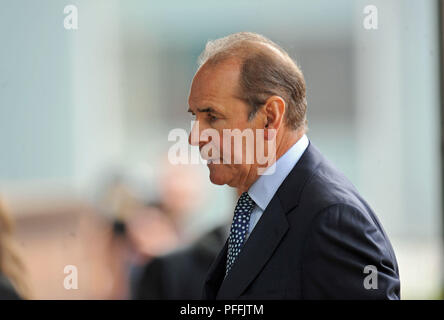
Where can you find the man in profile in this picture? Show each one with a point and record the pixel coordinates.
(300, 229)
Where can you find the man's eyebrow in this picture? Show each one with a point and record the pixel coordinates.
(206, 109)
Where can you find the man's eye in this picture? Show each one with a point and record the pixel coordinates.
(211, 118)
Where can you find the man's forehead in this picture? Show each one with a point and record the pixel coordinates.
(214, 81)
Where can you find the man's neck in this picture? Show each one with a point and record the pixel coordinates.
(284, 143)
(287, 141)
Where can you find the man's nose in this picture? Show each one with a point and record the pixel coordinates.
(194, 136)
(191, 140)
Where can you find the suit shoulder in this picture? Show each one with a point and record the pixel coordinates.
(327, 186)
(328, 189)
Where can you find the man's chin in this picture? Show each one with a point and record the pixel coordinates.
(216, 177)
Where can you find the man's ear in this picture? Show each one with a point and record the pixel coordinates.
(274, 110)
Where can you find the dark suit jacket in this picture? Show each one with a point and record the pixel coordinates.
(313, 241)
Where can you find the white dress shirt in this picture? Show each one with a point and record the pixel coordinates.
(264, 188)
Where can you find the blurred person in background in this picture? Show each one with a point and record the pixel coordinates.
(143, 227)
(12, 270)
(179, 200)
(168, 222)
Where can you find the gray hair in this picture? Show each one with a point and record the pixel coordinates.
(265, 70)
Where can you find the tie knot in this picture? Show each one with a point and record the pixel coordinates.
(244, 204)
(245, 197)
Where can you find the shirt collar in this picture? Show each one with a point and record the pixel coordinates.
(264, 188)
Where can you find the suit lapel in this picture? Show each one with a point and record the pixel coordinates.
(215, 274)
(258, 248)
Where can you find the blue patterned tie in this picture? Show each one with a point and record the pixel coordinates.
(239, 228)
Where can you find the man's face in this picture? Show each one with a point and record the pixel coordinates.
(214, 102)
